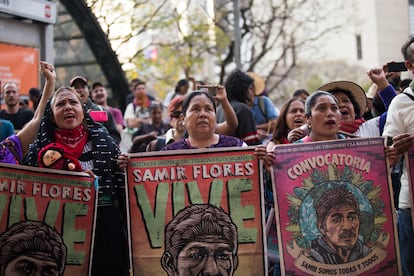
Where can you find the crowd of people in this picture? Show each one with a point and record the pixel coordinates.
(97, 138)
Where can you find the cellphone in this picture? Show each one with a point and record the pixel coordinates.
(99, 116)
(396, 66)
(389, 141)
(211, 89)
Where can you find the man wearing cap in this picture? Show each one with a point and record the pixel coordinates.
(100, 96)
(264, 112)
(18, 116)
(80, 84)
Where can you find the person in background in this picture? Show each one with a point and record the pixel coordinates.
(199, 119)
(176, 119)
(15, 147)
(18, 116)
(177, 129)
(100, 96)
(240, 91)
(24, 103)
(352, 104)
(80, 84)
(137, 112)
(300, 93)
(292, 115)
(264, 112)
(148, 132)
(132, 84)
(181, 88)
(34, 96)
(323, 117)
(6, 129)
(68, 122)
(400, 127)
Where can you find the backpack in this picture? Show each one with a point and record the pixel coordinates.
(262, 107)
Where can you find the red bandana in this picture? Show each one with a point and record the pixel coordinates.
(351, 127)
(73, 140)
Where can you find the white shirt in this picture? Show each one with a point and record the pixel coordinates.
(400, 119)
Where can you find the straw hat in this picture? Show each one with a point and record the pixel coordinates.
(259, 83)
(356, 91)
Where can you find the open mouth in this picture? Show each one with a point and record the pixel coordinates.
(69, 116)
(298, 121)
(331, 122)
(344, 112)
(202, 123)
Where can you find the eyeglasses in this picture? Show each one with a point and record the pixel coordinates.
(175, 114)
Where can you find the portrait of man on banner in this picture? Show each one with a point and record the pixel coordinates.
(201, 239)
(338, 220)
(32, 248)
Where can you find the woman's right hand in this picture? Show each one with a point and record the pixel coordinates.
(122, 161)
(403, 142)
(221, 94)
(268, 157)
(47, 71)
(296, 134)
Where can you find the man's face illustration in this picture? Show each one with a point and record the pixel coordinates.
(207, 257)
(342, 227)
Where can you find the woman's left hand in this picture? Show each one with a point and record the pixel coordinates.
(122, 161)
(91, 174)
(391, 155)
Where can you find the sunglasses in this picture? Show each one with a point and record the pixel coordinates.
(175, 114)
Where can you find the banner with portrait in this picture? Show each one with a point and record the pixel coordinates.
(47, 220)
(334, 210)
(196, 211)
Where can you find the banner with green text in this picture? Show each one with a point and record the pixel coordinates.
(196, 211)
(47, 220)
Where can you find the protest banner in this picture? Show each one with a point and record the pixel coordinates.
(333, 209)
(47, 217)
(196, 208)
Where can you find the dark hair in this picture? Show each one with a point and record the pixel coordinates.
(300, 92)
(34, 92)
(139, 82)
(195, 221)
(180, 83)
(155, 105)
(189, 97)
(334, 198)
(237, 86)
(97, 84)
(281, 128)
(311, 100)
(408, 53)
(31, 237)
